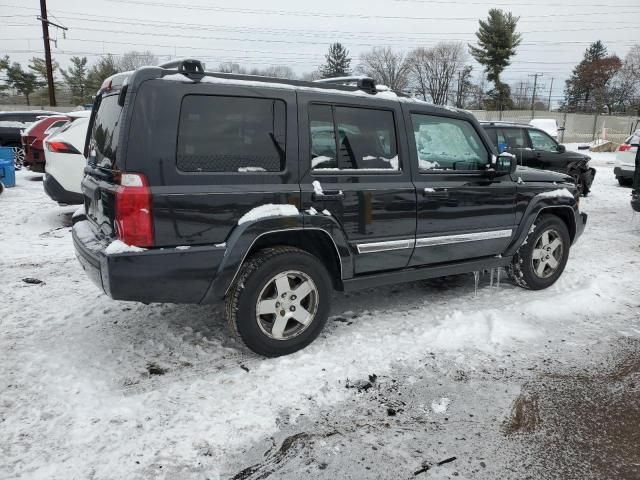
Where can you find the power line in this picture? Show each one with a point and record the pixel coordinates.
(299, 42)
(518, 4)
(300, 13)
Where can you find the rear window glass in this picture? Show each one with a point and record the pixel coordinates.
(105, 132)
(231, 134)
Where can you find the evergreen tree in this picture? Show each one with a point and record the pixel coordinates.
(590, 86)
(104, 68)
(76, 79)
(497, 43)
(23, 82)
(338, 63)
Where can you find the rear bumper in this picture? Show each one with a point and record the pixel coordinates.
(624, 172)
(165, 275)
(57, 192)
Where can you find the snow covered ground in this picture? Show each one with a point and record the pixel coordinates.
(401, 381)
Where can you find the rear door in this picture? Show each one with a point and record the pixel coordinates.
(463, 211)
(103, 160)
(354, 166)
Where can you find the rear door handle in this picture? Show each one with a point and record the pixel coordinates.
(432, 193)
(337, 195)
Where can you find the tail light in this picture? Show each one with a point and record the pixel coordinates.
(61, 147)
(624, 147)
(133, 220)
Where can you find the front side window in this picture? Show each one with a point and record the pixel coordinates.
(542, 141)
(231, 134)
(447, 144)
(352, 138)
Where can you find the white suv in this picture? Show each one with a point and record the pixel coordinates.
(65, 161)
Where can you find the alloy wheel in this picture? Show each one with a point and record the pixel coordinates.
(18, 157)
(547, 253)
(287, 305)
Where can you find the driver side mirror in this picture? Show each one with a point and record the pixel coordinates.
(561, 148)
(504, 163)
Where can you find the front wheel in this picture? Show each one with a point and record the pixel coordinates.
(280, 301)
(540, 261)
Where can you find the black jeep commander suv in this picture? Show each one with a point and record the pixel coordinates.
(271, 193)
(535, 148)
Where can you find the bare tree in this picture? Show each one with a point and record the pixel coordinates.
(275, 71)
(386, 67)
(231, 67)
(433, 69)
(134, 59)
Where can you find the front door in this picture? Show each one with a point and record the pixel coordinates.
(544, 152)
(353, 168)
(464, 212)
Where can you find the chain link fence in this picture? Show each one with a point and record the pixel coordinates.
(579, 127)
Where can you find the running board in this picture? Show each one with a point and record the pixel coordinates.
(423, 273)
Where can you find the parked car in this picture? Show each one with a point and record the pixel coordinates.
(548, 125)
(65, 161)
(201, 187)
(626, 159)
(535, 148)
(11, 126)
(32, 139)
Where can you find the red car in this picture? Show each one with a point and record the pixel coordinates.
(32, 140)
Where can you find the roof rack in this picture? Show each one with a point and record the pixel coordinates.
(189, 67)
(367, 84)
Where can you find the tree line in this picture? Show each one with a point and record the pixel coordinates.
(441, 74)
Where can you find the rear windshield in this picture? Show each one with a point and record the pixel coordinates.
(104, 134)
(633, 139)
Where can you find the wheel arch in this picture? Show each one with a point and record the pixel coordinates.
(565, 211)
(328, 244)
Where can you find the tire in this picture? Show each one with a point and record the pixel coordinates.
(530, 271)
(624, 182)
(264, 278)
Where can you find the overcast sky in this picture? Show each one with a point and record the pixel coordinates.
(286, 32)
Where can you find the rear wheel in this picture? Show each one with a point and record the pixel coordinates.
(280, 301)
(540, 261)
(18, 156)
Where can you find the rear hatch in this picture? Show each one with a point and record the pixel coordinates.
(103, 163)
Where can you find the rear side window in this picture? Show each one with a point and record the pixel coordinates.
(447, 144)
(55, 125)
(105, 132)
(515, 138)
(231, 134)
(366, 138)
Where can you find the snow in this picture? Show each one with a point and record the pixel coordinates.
(118, 246)
(183, 247)
(251, 169)
(440, 406)
(312, 211)
(560, 192)
(392, 161)
(326, 212)
(77, 399)
(317, 187)
(269, 210)
(13, 124)
(320, 159)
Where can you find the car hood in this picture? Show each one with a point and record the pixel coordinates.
(536, 175)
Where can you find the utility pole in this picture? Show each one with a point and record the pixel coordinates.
(550, 90)
(47, 49)
(533, 97)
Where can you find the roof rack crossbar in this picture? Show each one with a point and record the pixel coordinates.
(367, 84)
(187, 66)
